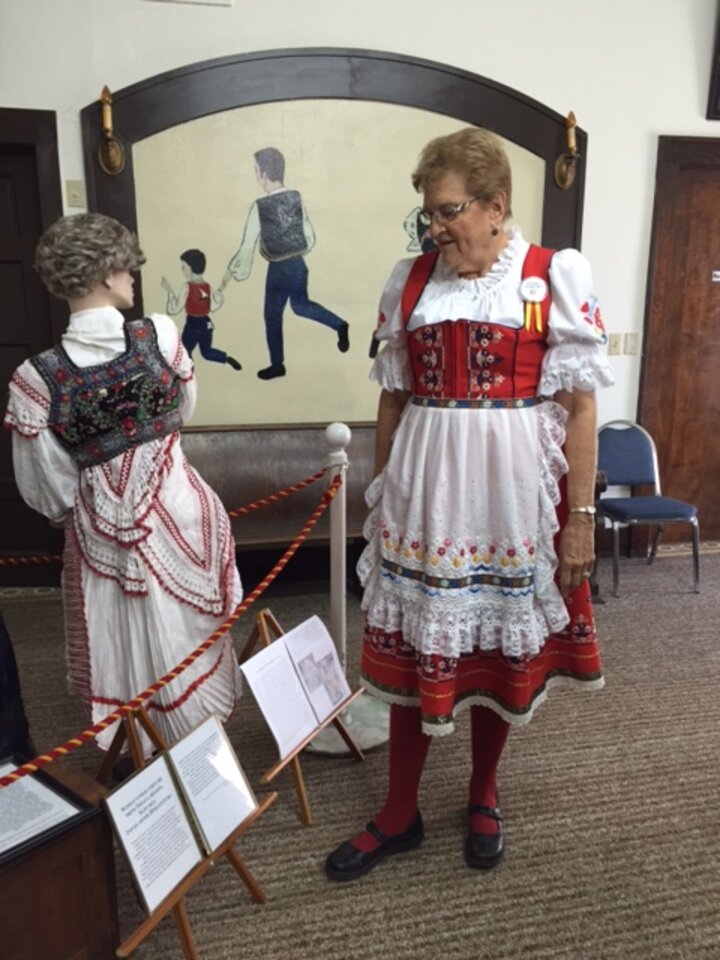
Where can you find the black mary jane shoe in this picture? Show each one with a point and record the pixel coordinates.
(349, 863)
(484, 850)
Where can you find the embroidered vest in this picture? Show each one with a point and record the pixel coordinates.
(281, 226)
(470, 360)
(100, 411)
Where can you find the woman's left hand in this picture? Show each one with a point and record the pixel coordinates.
(576, 555)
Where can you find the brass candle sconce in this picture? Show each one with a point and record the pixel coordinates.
(565, 163)
(111, 153)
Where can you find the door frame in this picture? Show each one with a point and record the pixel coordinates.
(35, 132)
(672, 153)
(37, 129)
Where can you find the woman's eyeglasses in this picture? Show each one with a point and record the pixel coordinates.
(447, 212)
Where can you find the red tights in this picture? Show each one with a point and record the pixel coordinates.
(407, 752)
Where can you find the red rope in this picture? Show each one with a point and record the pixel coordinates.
(33, 766)
(274, 497)
(19, 561)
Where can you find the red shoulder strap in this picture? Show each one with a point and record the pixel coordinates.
(537, 263)
(418, 277)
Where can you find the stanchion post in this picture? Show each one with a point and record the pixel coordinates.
(366, 718)
(337, 437)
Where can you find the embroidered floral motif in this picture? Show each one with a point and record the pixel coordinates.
(591, 315)
(580, 629)
(484, 336)
(461, 564)
(427, 351)
(98, 412)
(436, 669)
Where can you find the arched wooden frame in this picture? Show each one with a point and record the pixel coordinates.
(213, 86)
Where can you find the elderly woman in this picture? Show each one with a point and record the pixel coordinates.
(149, 561)
(481, 523)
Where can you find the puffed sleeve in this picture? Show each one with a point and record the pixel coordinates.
(177, 357)
(575, 359)
(391, 368)
(45, 473)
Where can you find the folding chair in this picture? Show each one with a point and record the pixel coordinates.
(627, 456)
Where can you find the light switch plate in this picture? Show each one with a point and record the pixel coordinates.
(75, 193)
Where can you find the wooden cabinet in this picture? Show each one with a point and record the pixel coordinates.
(57, 899)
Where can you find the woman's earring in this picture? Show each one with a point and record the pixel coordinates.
(494, 231)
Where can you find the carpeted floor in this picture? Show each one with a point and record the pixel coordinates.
(611, 803)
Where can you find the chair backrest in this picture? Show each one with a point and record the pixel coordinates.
(627, 455)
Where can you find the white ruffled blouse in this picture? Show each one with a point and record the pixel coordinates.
(575, 359)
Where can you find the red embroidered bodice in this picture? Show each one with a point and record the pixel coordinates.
(463, 359)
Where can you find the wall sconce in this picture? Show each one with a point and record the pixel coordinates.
(565, 163)
(111, 153)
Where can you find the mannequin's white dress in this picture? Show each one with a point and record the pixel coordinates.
(149, 561)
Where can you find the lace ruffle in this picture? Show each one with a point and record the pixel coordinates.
(127, 531)
(574, 366)
(446, 284)
(28, 403)
(391, 368)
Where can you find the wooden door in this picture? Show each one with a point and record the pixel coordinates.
(29, 322)
(680, 381)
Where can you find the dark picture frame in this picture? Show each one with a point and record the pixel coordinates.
(213, 86)
(713, 107)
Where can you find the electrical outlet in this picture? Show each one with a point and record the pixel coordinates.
(631, 344)
(75, 193)
(615, 344)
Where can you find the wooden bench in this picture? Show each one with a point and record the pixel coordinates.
(245, 464)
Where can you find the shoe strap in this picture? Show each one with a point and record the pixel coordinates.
(493, 812)
(375, 831)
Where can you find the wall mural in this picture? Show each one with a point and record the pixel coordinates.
(270, 230)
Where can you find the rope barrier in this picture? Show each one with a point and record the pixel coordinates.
(19, 561)
(63, 749)
(280, 494)
(239, 511)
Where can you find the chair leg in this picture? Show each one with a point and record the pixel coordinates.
(654, 545)
(616, 558)
(696, 555)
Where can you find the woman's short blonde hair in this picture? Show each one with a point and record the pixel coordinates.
(78, 252)
(475, 154)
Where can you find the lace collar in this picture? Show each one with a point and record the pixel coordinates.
(445, 280)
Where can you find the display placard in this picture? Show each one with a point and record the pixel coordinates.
(155, 831)
(297, 682)
(32, 809)
(212, 781)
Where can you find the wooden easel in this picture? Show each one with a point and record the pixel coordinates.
(264, 623)
(175, 902)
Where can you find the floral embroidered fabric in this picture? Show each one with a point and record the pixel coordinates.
(98, 412)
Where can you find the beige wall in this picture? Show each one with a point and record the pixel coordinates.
(630, 70)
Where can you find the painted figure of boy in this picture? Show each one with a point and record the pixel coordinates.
(198, 300)
(279, 223)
